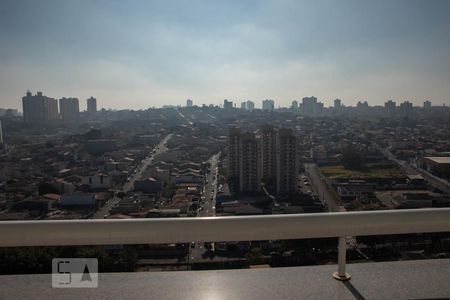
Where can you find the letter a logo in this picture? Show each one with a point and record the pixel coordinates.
(86, 276)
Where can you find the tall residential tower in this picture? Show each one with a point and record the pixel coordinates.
(287, 162)
(69, 109)
(269, 158)
(269, 155)
(249, 180)
(39, 108)
(91, 105)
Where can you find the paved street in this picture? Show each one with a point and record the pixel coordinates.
(208, 204)
(184, 118)
(136, 175)
(330, 200)
(321, 190)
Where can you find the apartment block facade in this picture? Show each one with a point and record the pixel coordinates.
(269, 158)
(39, 108)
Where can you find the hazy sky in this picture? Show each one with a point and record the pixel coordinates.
(139, 54)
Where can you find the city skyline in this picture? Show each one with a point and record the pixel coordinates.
(241, 149)
(148, 54)
(304, 104)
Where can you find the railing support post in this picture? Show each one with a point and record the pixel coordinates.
(342, 255)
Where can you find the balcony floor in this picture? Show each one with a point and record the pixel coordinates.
(387, 280)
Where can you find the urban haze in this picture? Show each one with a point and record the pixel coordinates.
(224, 149)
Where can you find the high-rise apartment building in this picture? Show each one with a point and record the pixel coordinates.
(39, 108)
(244, 105)
(287, 162)
(311, 107)
(427, 104)
(249, 180)
(250, 105)
(234, 141)
(405, 109)
(91, 105)
(268, 104)
(269, 158)
(390, 108)
(2, 143)
(1, 134)
(227, 104)
(294, 105)
(307, 105)
(69, 109)
(269, 155)
(362, 106)
(10, 112)
(337, 103)
(189, 103)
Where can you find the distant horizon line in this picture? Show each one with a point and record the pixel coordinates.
(237, 103)
(234, 107)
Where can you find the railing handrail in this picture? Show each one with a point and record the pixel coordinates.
(213, 229)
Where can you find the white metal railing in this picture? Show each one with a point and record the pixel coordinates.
(215, 229)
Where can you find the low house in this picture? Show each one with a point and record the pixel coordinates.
(187, 177)
(77, 199)
(149, 185)
(126, 208)
(38, 206)
(190, 165)
(163, 165)
(242, 210)
(114, 166)
(98, 181)
(416, 180)
(100, 146)
(415, 200)
(437, 165)
(164, 213)
(161, 174)
(63, 187)
(355, 189)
